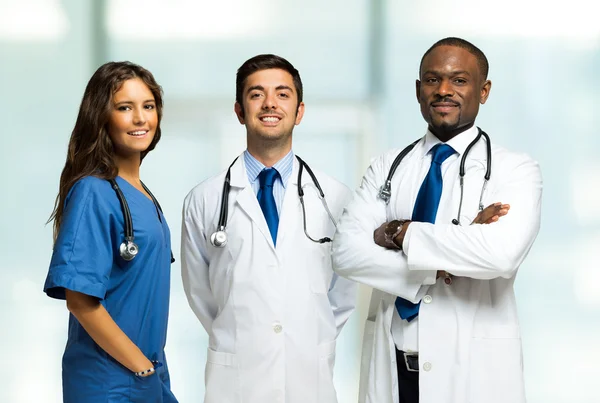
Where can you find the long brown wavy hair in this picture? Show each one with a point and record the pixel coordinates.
(91, 150)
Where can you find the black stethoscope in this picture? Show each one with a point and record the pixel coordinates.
(385, 191)
(219, 237)
(128, 248)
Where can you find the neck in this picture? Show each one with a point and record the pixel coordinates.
(269, 152)
(129, 167)
(445, 135)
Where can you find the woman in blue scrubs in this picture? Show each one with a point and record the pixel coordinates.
(118, 308)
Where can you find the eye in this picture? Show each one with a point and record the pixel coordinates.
(460, 81)
(431, 80)
(149, 106)
(284, 95)
(255, 95)
(124, 108)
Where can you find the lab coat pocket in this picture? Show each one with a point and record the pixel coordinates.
(496, 367)
(326, 352)
(222, 378)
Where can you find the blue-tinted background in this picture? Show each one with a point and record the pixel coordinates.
(358, 60)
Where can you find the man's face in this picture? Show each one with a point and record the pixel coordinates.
(450, 89)
(270, 105)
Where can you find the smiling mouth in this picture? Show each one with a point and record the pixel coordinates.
(444, 107)
(138, 133)
(270, 119)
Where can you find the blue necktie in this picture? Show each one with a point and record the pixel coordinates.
(266, 178)
(425, 210)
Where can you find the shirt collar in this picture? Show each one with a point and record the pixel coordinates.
(459, 142)
(284, 166)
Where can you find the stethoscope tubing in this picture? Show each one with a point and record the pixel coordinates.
(219, 237)
(385, 191)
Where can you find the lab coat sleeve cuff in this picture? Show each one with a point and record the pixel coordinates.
(406, 241)
(429, 272)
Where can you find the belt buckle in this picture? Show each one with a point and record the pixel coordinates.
(408, 368)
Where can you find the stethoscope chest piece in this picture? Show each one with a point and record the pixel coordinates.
(128, 250)
(219, 238)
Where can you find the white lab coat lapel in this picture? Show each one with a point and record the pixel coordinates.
(246, 198)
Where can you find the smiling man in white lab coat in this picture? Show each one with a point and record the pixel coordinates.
(268, 297)
(443, 326)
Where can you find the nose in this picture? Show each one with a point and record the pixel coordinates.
(445, 89)
(139, 116)
(270, 101)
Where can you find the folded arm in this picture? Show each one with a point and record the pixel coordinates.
(358, 258)
(484, 251)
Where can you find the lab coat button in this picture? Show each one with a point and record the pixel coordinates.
(448, 280)
(277, 328)
(427, 366)
(427, 299)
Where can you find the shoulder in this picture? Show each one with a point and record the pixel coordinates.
(88, 187)
(381, 164)
(511, 163)
(206, 190)
(508, 158)
(329, 184)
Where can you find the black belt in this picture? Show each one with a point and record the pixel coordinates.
(411, 360)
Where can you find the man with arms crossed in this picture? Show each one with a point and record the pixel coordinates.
(443, 324)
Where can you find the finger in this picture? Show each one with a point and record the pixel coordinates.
(491, 220)
(502, 212)
(488, 213)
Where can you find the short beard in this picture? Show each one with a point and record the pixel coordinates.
(446, 127)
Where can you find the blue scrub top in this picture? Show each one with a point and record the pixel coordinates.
(136, 293)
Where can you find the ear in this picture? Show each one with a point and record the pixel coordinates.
(239, 112)
(418, 89)
(485, 91)
(299, 113)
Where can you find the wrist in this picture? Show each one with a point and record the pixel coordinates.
(399, 239)
(150, 369)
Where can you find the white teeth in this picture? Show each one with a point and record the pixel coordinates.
(270, 119)
(138, 133)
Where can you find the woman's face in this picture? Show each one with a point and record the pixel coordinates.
(133, 118)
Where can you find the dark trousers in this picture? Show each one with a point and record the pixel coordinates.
(408, 381)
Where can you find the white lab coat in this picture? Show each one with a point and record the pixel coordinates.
(272, 314)
(468, 334)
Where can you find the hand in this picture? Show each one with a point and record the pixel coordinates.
(491, 213)
(382, 239)
(379, 236)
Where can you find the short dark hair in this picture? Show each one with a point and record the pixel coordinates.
(482, 61)
(264, 62)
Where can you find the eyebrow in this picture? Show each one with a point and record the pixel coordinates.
(452, 73)
(278, 88)
(131, 102)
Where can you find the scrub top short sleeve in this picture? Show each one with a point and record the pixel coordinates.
(84, 252)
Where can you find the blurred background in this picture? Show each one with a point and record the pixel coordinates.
(358, 60)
